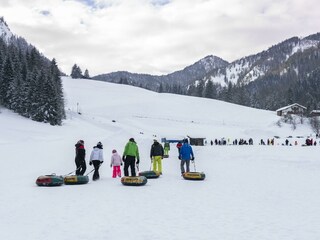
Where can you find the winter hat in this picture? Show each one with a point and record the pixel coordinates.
(131, 139)
(99, 145)
(114, 151)
(81, 142)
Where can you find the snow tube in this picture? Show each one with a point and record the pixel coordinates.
(49, 180)
(76, 179)
(194, 176)
(150, 174)
(134, 181)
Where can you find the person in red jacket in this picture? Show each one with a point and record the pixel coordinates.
(80, 158)
(179, 145)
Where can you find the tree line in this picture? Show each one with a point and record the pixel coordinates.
(30, 84)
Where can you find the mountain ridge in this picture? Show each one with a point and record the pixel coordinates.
(182, 77)
(217, 70)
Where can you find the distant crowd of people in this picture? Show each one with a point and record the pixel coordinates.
(271, 141)
(224, 141)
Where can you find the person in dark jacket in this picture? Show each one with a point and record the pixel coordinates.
(80, 158)
(186, 154)
(156, 155)
(130, 154)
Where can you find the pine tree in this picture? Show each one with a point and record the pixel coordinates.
(57, 99)
(200, 89)
(76, 72)
(7, 86)
(123, 81)
(209, 90)
(191, 91)
(86, 74)
(160, 88)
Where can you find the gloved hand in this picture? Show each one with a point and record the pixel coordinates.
(110, 165)
(179, 157)
(123, 158)
(121, 164)
(101, 162)
(90, 163)
(151, 159)
(138, 160)
(192, 158)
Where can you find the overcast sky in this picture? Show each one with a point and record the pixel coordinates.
(155, 36)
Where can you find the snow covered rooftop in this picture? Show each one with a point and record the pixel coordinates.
(289, 106)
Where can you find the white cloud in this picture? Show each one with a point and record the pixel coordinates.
(155, 36)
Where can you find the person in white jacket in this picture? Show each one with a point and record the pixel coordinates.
(116, 162)
(96, 158)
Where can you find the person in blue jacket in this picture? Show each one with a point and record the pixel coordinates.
(186, 154)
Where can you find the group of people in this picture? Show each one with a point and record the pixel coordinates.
(223, 141)
(130, 158)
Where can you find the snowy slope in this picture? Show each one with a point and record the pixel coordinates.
(251, 192)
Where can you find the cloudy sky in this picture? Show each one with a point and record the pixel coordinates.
(155, 36)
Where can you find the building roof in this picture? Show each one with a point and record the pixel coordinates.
(315, 111)
(295, 104)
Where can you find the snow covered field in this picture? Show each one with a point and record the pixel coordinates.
(250, 192)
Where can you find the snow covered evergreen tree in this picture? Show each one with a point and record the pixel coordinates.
(86, 74)
(29, 83)
(76, 72)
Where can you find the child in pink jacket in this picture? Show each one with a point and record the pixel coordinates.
(116, 162)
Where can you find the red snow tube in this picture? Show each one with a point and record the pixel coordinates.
(49, 180)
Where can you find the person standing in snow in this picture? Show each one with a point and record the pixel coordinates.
(156, 155)
(96, 158)
(130, 154)
(186, 154)
(179, 145)
(116, 162)
(80, 158)
(166, 148)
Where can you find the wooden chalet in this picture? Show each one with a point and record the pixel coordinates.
(295, 109)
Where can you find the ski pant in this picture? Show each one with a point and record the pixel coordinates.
(187, 162)
(116, 171)
(81, 167)
(157, 164)
(96, 165)
(130, 161)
